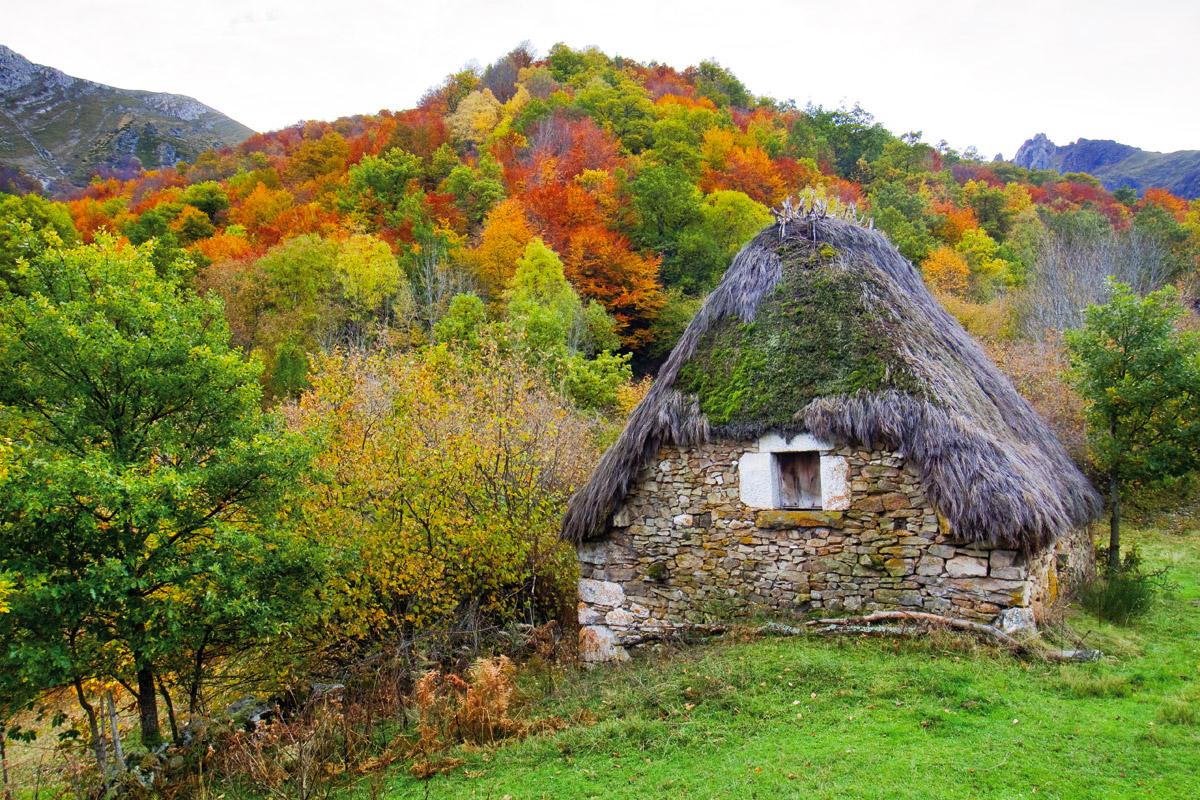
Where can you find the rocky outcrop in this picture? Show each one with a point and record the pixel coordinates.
(1116, 164)
(62, 129)
(1036, 153)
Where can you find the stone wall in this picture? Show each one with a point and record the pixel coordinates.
(684, 549)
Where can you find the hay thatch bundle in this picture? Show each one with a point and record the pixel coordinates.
(829, 329)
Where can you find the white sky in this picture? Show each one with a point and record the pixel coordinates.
(990, 74)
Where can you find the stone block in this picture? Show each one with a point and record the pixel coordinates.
(901, 552)
(597, 552)
(929, 565)
(942, 551)
(899, 597)
(875, 471)
(898, 567)
(895, 501)
(966, 567)
(869, 503)
(619, 618)
(623, 518)
(1002, 559)
(619, 574)
(774, 519)
(601, 593)
(683, 520)
(835, 489)
(832, 565)
(589, 615)
(598, 643)
(1018, 622)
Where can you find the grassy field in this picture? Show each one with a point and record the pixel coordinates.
(865, 718)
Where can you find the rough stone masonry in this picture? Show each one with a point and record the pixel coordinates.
(685, 548)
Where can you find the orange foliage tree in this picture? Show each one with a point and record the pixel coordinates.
(505, 234)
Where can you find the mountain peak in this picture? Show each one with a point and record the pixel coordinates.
(15, 69)
(1115, 164)
(59, 128)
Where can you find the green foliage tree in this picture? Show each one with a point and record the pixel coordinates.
(476, 191)
(841, 137)
(553, 329)
(728, 219)
(16, 240)
(621, 106)
(207, 196)
(143, 481)
(666, 201)
(155, 224)
(905, 217)
(1140, 380)
(379, 186)
(463, 322)
(721, 86)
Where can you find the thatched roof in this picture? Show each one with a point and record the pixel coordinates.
(831, 330)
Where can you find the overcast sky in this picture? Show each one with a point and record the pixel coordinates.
(989, 74)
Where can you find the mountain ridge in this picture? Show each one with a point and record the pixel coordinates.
(60, 128)
(1116, 164)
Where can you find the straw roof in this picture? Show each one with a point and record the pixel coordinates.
(829, 329)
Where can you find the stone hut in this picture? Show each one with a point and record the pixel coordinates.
(825, 438)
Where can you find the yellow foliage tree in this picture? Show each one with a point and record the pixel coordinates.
(369, 275)
(476, 117)
(446, 481)
(946, 272)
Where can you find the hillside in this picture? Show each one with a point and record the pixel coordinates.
(59, 128)
(1116, 165)
(645, 180)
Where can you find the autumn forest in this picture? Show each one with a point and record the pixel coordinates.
(353, 371)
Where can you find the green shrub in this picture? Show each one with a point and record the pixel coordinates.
(1123, 593)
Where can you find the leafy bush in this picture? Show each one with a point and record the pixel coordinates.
(445, 480)
(1123, 593)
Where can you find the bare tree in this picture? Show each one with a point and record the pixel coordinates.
(436, 281)
(1072, 265)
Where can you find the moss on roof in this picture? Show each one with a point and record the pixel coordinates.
(811, 337)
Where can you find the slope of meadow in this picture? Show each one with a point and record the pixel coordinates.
(856, 717)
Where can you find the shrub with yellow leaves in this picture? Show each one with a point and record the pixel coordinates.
(444, 480)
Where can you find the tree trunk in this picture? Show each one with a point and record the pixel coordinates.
(4, 762)
(148, 707)
(118, 752)
(97, 735)
(166, 696)
(1114, 531)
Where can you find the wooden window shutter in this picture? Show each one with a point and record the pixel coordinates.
(799, 479)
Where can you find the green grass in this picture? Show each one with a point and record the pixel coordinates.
(865, 718)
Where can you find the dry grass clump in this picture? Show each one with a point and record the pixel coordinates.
(476, 711)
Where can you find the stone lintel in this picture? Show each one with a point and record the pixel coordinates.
(774, 519)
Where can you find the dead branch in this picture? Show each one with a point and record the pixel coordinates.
(989, 631)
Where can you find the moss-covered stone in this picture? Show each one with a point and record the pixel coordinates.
(773, 519)
(811, 337)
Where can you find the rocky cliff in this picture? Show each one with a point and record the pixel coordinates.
(62, 129)
(1116, 164)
